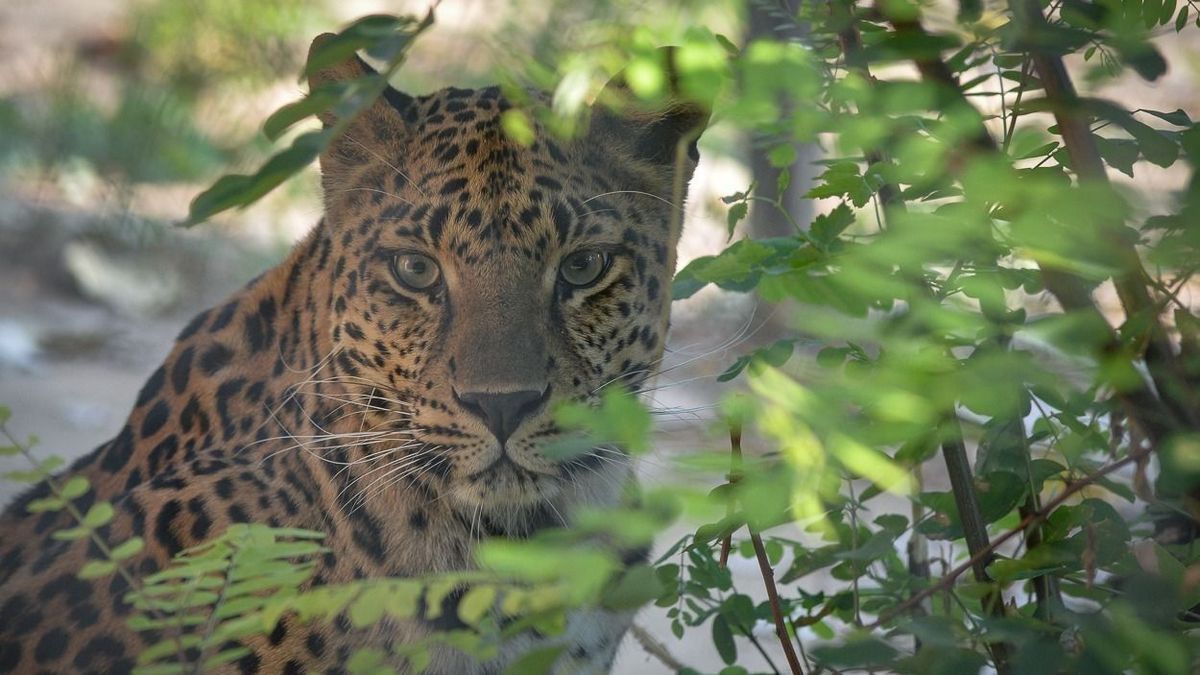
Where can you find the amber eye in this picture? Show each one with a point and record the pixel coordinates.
(415, 270)
(584, 268)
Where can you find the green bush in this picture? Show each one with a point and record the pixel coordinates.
(970, 178)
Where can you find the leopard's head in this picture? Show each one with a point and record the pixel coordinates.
(481, 281)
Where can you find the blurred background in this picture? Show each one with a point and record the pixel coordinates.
(115, 113)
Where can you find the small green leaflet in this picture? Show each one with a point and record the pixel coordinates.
(774, 355)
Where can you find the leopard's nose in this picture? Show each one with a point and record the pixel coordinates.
(502, 412)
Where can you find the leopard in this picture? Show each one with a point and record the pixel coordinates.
(392, 383)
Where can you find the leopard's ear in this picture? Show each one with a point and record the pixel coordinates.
(379, 124)
(654, 131)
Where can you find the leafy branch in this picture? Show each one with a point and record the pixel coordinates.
(978, 557)
(62, 499)
(217, 593)
(385, 37)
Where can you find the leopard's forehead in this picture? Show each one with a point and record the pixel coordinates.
(456, 144)
(458, 183)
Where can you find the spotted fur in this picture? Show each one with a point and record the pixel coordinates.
(329, 395)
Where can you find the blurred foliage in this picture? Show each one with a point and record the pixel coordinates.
(130, 107)
(199, 43)
(150, 136)
(965, 190)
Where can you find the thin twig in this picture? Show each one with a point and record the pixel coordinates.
(760, 552)
(735, 475)
(768, 575)
(854, 546)
(655, 648)
(962, 486)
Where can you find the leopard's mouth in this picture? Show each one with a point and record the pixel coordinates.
(505, 465)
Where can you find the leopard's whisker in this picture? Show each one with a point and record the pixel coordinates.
(316, 451)
(389, 165)
(415, 467)
(359, 404)
(376, 396)
(374, 190)
(273, 413)
(360, 381)
(389, 467)
(313, 437)
(634, 192)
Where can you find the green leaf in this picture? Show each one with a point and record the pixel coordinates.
(316, 102)
(857, 652)
(737, 268)
(44, 469)
(168, 647)
(722, 638)
(76, 486)
(999, 493)
(826, 227)
(239, 190)
(364, 33)
(5, 414)
(1040, 151)
(1182, 19)
(620, 418)
(636, 587)
(875, 547)
(94, 569)
(517, 127)
(1177, 117)
(1167, 11)
(128, 548)
(535, 661)
(1119, 153)
(223, 657)
(476, 603)
(45, 504)
(1151, 9)
(367, 609)
(368, 661)
(99, 515)
(738, 610)
(70, 534)
(782, 155)
(736, 213)
(775, 355)
(842, 179)
(9, 450)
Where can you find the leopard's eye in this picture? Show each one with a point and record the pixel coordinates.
(584, 268)
(415, 270)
